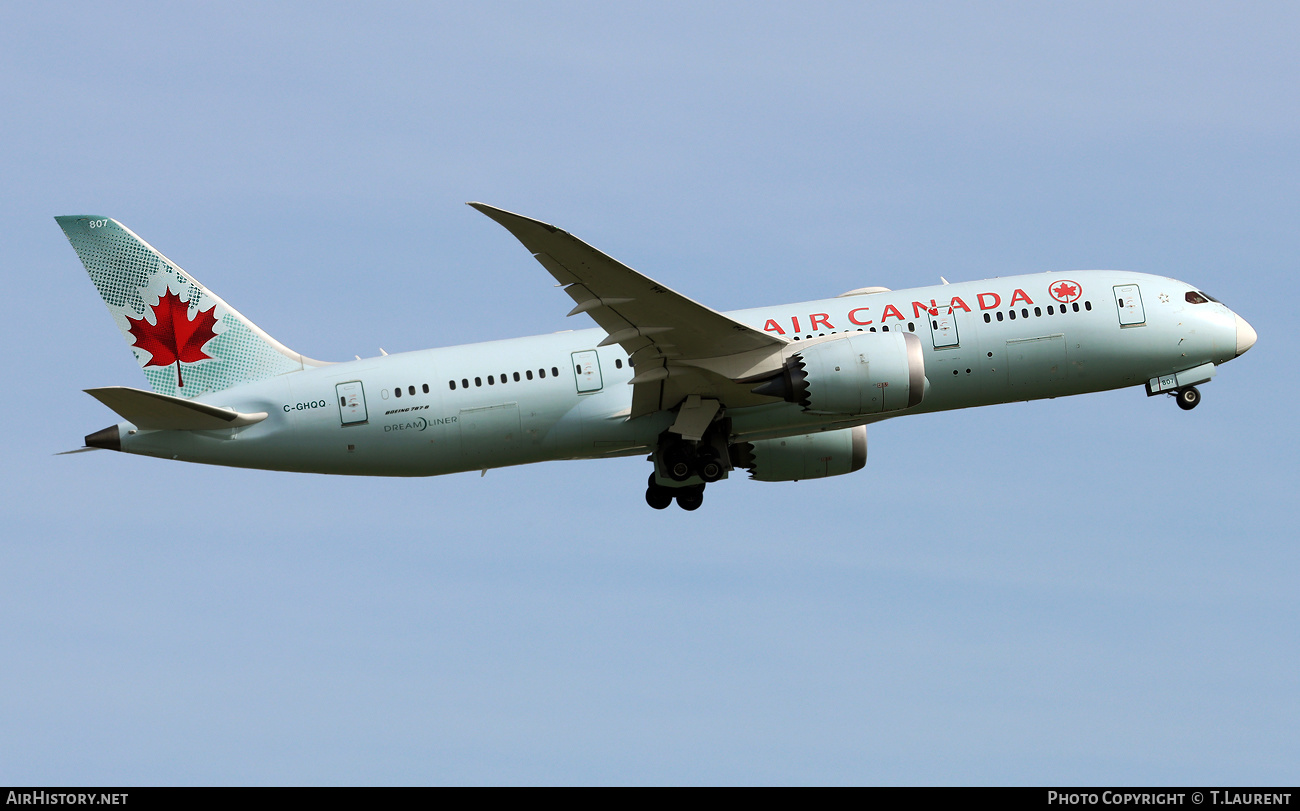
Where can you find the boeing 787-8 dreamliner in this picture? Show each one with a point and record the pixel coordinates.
(784, 392)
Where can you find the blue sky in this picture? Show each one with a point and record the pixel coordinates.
(1099, 589)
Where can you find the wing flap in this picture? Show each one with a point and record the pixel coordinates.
(152, 411)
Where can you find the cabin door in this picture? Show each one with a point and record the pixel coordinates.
(586, 366)
(352, 403)
(943, 328)
(1129, 301)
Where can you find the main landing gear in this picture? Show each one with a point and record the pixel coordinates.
(683, 460)
(1188, 398)
(688, 498)
(683, 467)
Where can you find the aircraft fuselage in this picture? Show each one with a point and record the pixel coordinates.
(560, 396)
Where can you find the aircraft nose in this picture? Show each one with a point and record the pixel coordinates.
(1246, 335)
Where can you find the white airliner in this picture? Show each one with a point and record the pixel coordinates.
(784, 392)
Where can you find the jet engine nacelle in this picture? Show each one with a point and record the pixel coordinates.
(810, 456)
(862, 373)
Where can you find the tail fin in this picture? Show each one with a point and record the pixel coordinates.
(186, 339)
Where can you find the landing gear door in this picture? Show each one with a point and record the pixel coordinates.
(352, 403)
(943, 327)
(1129, 301)
(586, 366)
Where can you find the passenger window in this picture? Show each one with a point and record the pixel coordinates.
(986, 318)
(1087, 305)
(1050, 311)
(478, 381)
(425, 387)
(1012, 313)
(529, 373)
(397, 391)
(410, 390)
(555, 372)
(999, 315)
(618, 363)
(516, 377)
(1075, 305)
(464, 382)
(577, 368)
(1024, 312)
(541, 373)
(451, 384)
(492, 381)
(1038, 312)
(503, 378)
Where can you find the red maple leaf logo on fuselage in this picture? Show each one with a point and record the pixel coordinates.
(173, 337)
(1065, 291)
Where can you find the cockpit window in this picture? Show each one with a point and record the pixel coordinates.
(1194, 297)
(1211, 298)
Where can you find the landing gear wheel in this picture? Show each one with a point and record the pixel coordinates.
(690, 498)
(709, 466)
(677, 462)
(658, 496)
(1188, 398)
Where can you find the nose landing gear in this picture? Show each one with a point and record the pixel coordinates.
(1188, 398)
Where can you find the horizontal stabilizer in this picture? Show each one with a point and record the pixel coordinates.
(160, 412)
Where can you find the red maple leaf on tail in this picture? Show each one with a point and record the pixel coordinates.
(174, 338)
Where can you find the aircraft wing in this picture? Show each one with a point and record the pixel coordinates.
(679, 347)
